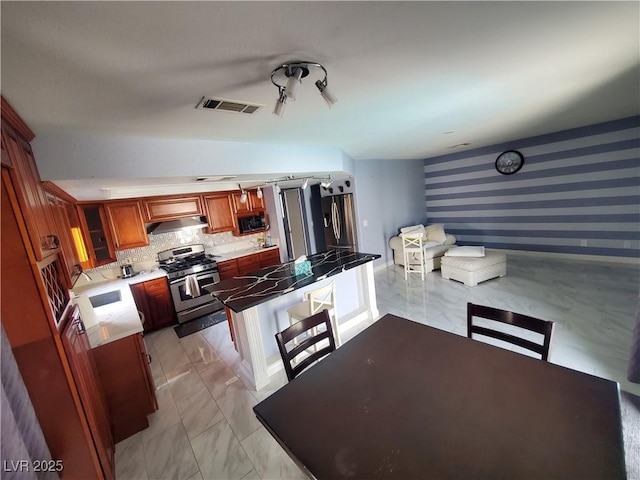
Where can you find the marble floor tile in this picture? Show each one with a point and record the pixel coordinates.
(169, 455)
(269, 459)
(237, 406)
(219, 454)
(172, 358)
(163, 339)
(199, 411)
(165, 417)
(199, 350)
(185, 382)
(252, 475)
(129, 459)
(217, 379)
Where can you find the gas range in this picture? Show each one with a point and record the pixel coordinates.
(183, 261)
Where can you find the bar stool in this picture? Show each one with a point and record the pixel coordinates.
(315, 301)
(413, 253)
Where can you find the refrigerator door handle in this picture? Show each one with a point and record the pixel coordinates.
(336, 220)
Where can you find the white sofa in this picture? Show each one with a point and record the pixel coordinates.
(432, 254)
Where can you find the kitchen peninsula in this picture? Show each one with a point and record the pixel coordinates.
(258, 304)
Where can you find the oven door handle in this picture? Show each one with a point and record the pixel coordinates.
(199, 277)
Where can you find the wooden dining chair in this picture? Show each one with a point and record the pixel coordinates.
(543, 327)
(307, 334)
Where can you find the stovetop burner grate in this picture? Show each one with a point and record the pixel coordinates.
(185, 261)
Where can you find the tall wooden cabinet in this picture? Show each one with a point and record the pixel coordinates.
(34, 311)
(29, 192)
(92, 397)
(60, 210)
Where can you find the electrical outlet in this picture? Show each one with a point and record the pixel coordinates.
(583, 243)
(627, 244)
(128, 261)
(365, 223)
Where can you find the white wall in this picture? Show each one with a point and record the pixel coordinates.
(82, 156)
(389, 195)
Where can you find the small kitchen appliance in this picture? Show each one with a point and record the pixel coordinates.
(127, 271)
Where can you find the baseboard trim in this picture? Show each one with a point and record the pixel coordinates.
(382, 266)
(569, 256)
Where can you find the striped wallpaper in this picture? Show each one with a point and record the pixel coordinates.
(577, 193)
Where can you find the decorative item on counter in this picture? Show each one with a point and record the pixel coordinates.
(302, 266)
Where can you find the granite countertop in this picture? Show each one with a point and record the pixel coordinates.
(240, 293)
(116, 320)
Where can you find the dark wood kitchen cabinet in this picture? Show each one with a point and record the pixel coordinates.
(127, 225)
(30, 194)
(153, 300)
(90, 389)
(219, 210)
(269, 257)
(60, 213)
(33, 307)
(123, 366)
(228, 269)
(162, 209)
(96, 234)
(248, 263)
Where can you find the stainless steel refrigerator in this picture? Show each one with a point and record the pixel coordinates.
(338, 217)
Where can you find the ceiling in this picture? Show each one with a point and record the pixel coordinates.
(413, 79)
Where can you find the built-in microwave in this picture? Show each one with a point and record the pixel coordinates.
(252, 223)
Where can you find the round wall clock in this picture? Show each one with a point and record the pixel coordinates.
(509, 162)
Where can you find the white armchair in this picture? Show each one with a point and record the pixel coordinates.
(436, 244)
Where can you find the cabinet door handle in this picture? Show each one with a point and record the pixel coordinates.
(149, 359)
(52, 241)
(80, 326)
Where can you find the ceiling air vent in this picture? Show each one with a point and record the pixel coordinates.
(227, 105)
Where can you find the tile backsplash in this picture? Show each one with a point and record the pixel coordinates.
(146, 257)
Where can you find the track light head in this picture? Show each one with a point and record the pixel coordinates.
(280, 104)
(329, 97)
(294, 73)
(243, 195)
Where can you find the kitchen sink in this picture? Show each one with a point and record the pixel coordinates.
(105, 298)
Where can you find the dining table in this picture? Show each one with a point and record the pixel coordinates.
(404, 400)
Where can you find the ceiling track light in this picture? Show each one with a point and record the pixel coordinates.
(259, 193)
(295, 72)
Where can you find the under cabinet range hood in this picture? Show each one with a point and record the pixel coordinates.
(189, 223)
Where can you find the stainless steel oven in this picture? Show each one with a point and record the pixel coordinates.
(196, 303)
(189, 270)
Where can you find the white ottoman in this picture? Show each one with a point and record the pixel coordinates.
(473, 270)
